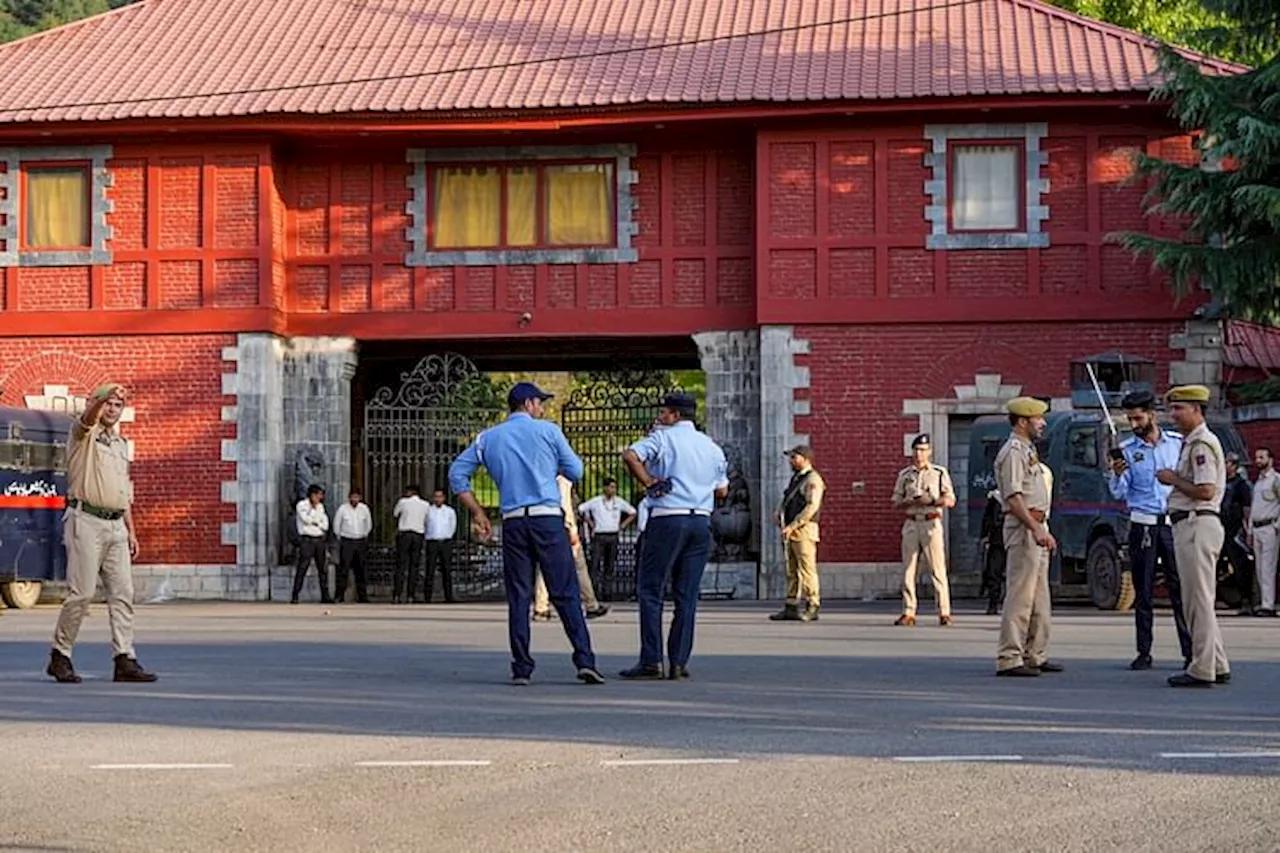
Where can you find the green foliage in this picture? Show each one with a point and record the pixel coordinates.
(1246, 393)
(20, 18)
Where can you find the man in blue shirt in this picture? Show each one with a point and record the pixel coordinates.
(683, 472)
(1133, 480)
(524, 455)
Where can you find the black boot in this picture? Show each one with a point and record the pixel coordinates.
(60, 668)
(789, 613)
(810, 614)
(128, 669)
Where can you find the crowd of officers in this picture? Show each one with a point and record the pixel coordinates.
(1188, 506)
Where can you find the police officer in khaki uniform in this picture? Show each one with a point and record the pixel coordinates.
(541, 598)
(798, 518)
(1199, 483)
(923, 490)
(99, 536)
(1026, 493)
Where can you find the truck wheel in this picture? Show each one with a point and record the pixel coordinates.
(1107, 583)
(21, 595)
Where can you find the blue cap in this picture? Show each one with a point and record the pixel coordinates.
(678, 401)
(524, 391)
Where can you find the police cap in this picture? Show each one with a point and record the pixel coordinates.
(522, 392)
(678, 401)
(1026, 407)
(921, 440)
(1142, 399)
(801, 450)
(1189, 394)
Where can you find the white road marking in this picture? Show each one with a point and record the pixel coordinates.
(161, 767)
(923, 759)
(425, 763)
(1220, 755)
(666, 762)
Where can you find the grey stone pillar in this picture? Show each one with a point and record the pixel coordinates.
(779, 378)
(731, 361)
(1202, 359)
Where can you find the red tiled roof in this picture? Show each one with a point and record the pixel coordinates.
(1251, 345)
(186, 58)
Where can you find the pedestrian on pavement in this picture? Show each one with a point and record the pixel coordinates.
(993, 553)
(313, 531)
(99, 535)
(683, 472)
(1264, 529)
(1025, 622)
(1199, 482)
(923, 490)
(797, 517)
(523, 455)
(1236, 515)
(352, 524)
(441, 525)
(606, 515)
(1133, 480)
(410, 513)
(541, 599)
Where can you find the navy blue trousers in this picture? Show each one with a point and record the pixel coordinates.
(541, 542)
(1146, 543)
(676, 549)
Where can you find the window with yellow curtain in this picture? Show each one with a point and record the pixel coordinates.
(522, 205)
(579, 204)
(467, 207)
(57, 207)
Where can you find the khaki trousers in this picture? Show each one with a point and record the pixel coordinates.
(1197, 541)
(802, 572)
(96, 547)
(924, 538)
(1025, 621)
(542, 601)
(1266, 542)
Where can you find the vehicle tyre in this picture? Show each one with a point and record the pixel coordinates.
(21, 595)
(1108, 583)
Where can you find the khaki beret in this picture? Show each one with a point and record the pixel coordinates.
(1188, 394)
(1026, 407)
(103, 392)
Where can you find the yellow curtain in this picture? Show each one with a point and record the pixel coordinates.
(522, 206)
(580, 205)
(57, 208)
(468, 208)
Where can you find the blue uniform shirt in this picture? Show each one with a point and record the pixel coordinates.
(693, 463)
(1138, 486)
(523, 455)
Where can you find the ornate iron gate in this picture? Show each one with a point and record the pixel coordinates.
(411, 435)
(601, 419)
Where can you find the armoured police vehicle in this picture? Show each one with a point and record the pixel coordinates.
(33, 496)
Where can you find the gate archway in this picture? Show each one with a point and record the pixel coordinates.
(412, 433)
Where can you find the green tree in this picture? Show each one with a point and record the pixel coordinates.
(1230, 206)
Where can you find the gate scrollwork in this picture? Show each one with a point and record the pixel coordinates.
(439, 381)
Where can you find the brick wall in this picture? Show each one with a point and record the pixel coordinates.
(860, 376)
(176, 389)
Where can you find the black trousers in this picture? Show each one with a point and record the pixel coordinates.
(352, 556)
(440, 552)
(311, 549)
(408, 556)
(1146, 543)
(1241, 567)
(604, 556)
(993, 575)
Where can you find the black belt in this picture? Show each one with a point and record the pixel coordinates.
(1181, 515)
(610, 533)
(97, 511)
(310, 536)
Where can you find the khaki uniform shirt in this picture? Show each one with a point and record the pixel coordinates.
(1019, 472)
(932, 481)
(98, 467)
(566, 503)
(806, 528)
(1266, 498)
(1201, 463)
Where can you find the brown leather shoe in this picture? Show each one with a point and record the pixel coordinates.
(904, 619)
(128, 669)
(945, 621)
(60, 668)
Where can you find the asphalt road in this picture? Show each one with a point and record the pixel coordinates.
(394, 728)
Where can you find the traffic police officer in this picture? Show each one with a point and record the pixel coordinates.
(1198, 482)
(523, 455)
(682, 471)
(923, 490)
(1133, 480)
(798, 518)
(99, 536)
(1026, 493)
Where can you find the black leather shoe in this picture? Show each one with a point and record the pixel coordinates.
(1019, 672)
(60, 668)
(128, 669)
(1185, 680)
(643, 672)
(1051, 666)
(1222, 678)
(1141, 662)
(590, 675)
(675, 673)
(602, 610)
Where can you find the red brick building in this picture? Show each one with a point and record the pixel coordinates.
(872, 216)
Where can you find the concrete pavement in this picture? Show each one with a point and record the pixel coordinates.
(388, 728)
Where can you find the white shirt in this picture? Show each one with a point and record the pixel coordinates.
(411, 513)
(606, 513)
(312, 520)
(442, 522)
(642, 514)
(1266, 497)
(352, 522)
